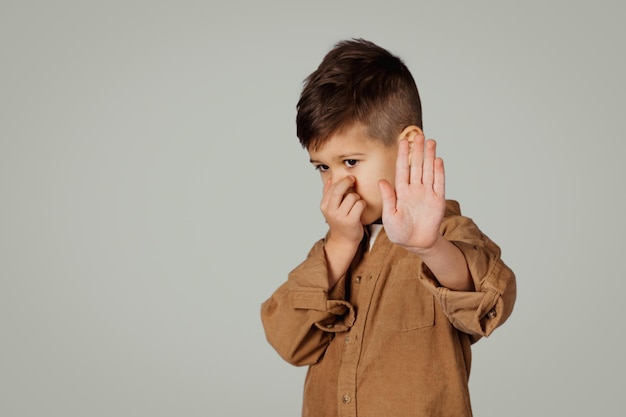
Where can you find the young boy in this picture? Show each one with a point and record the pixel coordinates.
(385, 307)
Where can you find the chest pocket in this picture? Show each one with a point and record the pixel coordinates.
(405, 303)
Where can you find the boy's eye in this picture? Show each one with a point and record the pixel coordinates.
(350, 162)
(321, 167)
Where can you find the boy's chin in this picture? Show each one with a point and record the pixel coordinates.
(369, 218)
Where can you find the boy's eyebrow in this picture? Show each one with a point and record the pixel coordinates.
(340, 157)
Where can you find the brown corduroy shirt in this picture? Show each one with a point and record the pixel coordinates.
(387, 339)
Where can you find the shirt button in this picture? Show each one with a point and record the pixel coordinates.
(357, 279)
(492, 313)
(346, 399)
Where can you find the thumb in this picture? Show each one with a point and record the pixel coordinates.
(388, 195)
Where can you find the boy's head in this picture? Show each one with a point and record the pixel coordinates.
(358, 82)
(352, 113)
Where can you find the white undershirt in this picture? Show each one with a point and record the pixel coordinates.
(375, 229)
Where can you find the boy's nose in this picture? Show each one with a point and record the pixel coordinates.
(337, 177)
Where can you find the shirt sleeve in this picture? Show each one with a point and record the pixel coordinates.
(301, 316)
(477, 313)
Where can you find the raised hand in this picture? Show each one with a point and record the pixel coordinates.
(412, 213)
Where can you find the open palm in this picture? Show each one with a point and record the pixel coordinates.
(413, 211)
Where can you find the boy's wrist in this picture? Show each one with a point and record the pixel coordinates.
(432, 250)
(341, 246)
(339, 255)
(447, 263)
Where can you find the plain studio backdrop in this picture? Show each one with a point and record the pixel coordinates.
(153, 194)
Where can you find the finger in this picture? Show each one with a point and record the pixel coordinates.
(417, 160)
(439, 183)
(402, 163)
(357, 210)
(348, 202)
(339, 190)
(388, 197)
(325, 194)
(429, 162)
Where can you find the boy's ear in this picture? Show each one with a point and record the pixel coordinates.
(410, 133)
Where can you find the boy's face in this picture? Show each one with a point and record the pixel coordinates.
(353, 152)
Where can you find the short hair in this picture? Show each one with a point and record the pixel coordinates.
(357, 82)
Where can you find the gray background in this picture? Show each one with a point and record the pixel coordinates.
(153, 194)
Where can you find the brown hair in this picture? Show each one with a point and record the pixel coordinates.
(357, 82)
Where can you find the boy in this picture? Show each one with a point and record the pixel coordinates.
(385, 307)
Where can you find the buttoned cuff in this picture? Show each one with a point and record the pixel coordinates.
(336, 315)
(477, 313)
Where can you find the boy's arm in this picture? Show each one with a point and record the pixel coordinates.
(448, 264)
(342, 211)
(414, 210)
(455, 254)
(478, 312)
(303, 313)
